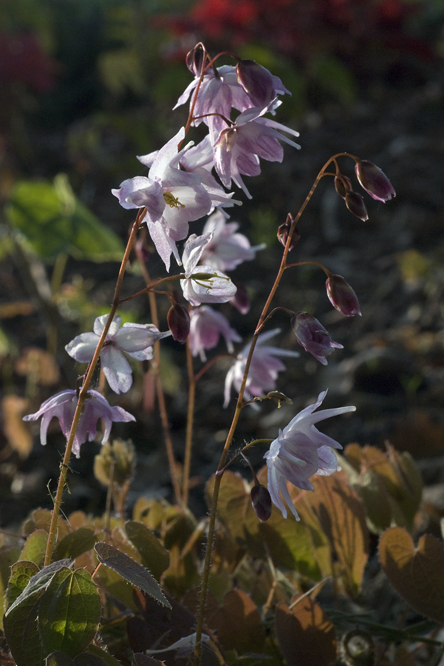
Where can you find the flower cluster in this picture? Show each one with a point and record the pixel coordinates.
(183, 184)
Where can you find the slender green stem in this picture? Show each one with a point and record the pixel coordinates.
(84, 392)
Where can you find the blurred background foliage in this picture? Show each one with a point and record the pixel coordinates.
(86, 85)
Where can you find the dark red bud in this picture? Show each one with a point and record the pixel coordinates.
(196, 59)
(343, 185)
(261, 501)
(284, 231)
(256, 81)
(342, 296)
(374, 181)
(355, 204)
(241, 299)
(179, 322)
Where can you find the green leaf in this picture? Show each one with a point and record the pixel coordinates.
(7, 558)
(53, 221)
(21, 629)
(69, 612)
(132, 571)
(21, 573)
(35, 547)
(75, 543)
(38, 583)
(154, 556)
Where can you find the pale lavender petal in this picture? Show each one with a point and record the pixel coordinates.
(100, 322)
(117, 370)
(82, 348)
(135, 337)
(193, 250)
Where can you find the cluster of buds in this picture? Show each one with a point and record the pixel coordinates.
(372, 179)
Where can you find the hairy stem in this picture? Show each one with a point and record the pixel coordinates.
(84, 392)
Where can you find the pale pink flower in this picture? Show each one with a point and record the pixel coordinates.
(203, 284)
(219, 94)
(227, 248)
(135, 340)
(172, 198)
(63, 405)
(207, 325)
(264, 368)
(199, 160)
(238, 148)
(301, 451)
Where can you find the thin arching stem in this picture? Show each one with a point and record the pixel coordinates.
(84, 392)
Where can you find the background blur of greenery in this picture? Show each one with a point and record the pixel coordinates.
(88, 84)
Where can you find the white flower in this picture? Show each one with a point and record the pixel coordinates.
(132, 339)
(203, 284)
(301, 451)
(172, 198)
(227, 249)
(264, 368)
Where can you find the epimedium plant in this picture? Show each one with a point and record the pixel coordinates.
(105, 591)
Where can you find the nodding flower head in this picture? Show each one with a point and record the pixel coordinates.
(63, 405)
(300, 451)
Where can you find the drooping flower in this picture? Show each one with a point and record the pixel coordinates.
(172, 198)
(342, 296)
(227, 248)
(207, 325)
(203, 284)
(238, 148)
(355, 204)
(221, 92)
(301, 451)
(313, 337)
(264, 368)
(374, 181)
(135, 340)
(63, 405)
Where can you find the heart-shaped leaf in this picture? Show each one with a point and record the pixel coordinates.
(417, 574)
(69, 612)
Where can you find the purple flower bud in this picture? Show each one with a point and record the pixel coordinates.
(241, 299)
(179, 322)
(256, 81)
(261, 502)
(342, 296)
(374, 181)
(313, 337)
(195, 59)
(343, 185)
(355, 204)
(284, 231)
